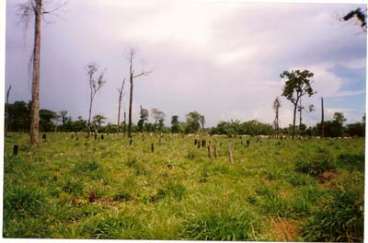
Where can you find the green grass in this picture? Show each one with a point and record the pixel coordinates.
(106, 189)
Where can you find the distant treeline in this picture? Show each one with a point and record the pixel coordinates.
(17, 119)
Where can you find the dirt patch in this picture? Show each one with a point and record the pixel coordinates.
(327, 176)
(284, 229)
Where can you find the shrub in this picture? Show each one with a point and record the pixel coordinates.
(112, 227)
(339, 220)
(221, 226)
(319, 163)
(23, 201)
(352, 161)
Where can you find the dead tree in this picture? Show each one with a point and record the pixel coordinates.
(322, 119)
(132, 76)
(121, 94)
(95, 84)
(27, 10)
(276, 107)
(6, 110)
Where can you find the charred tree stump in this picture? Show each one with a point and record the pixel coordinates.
(15, 150)
(215, 151)
(209, 149)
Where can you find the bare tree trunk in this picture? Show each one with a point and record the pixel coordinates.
(130, 107)
(124, 125)
(90, 113)
(300, 115)
(35, 107)
(7, 111)
(294, 119)
(322, 119)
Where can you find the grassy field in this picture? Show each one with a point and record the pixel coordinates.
(274, 190)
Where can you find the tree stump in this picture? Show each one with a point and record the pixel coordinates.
(230, 153)
(15, 150)
(215, 151)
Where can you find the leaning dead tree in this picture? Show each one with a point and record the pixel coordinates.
(121, 94)
(276, 107)
(132, 76)
(28, 10)
(96, 81)
(360, 15)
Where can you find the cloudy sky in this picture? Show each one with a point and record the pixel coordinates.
(220, 58)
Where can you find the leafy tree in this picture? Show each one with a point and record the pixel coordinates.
(193, 122)
(159, 118)
(175, 125)
(98, 120)
(46, 120)
(143, 117)
(297, 85)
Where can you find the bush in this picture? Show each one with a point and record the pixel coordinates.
(221, 226)
(22, 201)
(339, 220)
(352, 161)
(319, 163)
(112, 227)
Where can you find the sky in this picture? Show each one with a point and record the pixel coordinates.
(220, 58)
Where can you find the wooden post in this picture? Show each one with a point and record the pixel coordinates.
(203, 143)
(198, 145)
(152, 148)
(15, 150)
(230, 153)
(195, 142)
(102, 137)
(209, 148)
(248, 143)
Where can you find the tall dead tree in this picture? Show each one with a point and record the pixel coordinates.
(27, 10)
(322, 119)
(95, 84)
(276, 107)
(121, 94)
(132, 76)
(6, 110)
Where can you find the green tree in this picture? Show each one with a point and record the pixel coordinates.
(143, 117)
(193, 122)
(297, 84)
(98, 121)
(175, 125)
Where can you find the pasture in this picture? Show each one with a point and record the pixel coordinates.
(275, 189)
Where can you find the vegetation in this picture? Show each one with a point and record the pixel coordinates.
(72, 186)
